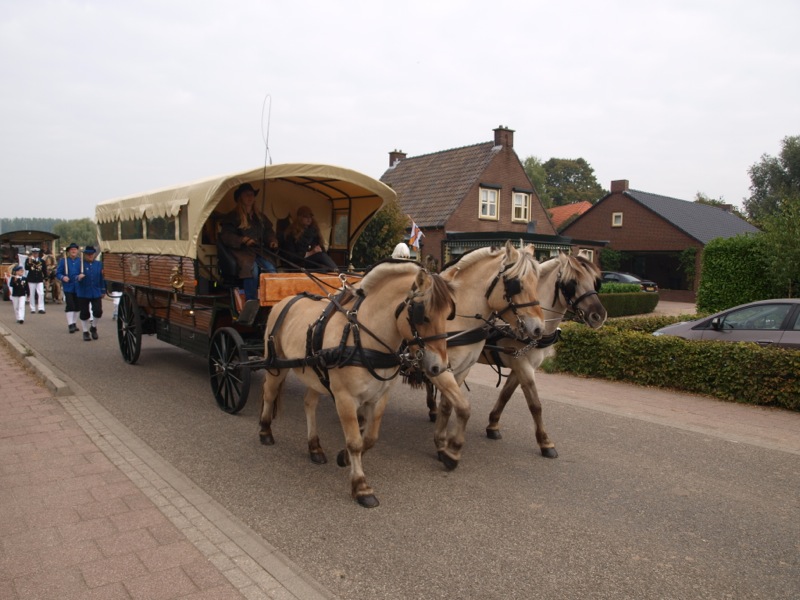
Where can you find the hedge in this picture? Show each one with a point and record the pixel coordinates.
(636, 303)
(738, 372)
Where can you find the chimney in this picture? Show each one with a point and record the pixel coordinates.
(619, 185)
(503, 136)
(395, 156)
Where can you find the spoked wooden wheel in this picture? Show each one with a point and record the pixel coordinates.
(129, 328)
(230, 380)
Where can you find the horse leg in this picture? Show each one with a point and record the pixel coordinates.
(493, 429)
(525, 375)
(273, 385)
(315, 452)
(348, 417)
(450, 444)
(430, 400)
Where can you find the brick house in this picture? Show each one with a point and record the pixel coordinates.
(652, 231)
(472, 196)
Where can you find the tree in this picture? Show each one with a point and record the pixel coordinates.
(81, 231)
(571, 181)
(380, 236)
(774, 181)
(701, 198)
(782, 240)
(535, 170)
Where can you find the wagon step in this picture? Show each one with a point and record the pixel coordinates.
(248, 314)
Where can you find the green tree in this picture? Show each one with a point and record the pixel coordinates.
(782, 240)
(379, 238)
(571, 181)
(81, 231)
(774, 181)
(534, 168)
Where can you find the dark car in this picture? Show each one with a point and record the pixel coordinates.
(617, 277)
(766, 322)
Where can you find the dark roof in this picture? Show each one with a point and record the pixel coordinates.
(430, 187)
(703, 222)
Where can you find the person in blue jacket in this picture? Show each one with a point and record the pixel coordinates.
(90, 289)
(67, 273)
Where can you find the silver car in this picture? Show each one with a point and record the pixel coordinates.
(766, 322)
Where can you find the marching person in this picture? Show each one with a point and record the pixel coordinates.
(69, 267)
(246, 231)
(19, 289)
(90, 289)
(303, 242)
(37, 273)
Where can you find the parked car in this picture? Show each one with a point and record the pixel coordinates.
(617, 277)
(766, 322)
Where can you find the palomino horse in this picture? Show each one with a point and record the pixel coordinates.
(52, 285)
(353, 349)
(496, 291)
(566, 283)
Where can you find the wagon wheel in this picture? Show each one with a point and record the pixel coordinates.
(230, 381)
(129, 328)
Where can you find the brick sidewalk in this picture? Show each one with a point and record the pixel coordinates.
(82, 516)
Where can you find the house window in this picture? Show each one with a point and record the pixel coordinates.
(616, 219)
(488, 201)
(521, 210)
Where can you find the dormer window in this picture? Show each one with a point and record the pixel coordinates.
(521, 209)
(616, 219)
(488, 203)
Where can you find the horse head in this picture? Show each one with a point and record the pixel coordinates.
(519, 273)
(422, 320)
(578, 283)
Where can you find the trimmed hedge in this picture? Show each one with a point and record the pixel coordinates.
(738, 372)
(636, 303)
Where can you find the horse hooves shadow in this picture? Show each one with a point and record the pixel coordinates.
(494, 434)
(432, 417)
(341, 458)
(448, 461)
(369, 501)
(549, 453)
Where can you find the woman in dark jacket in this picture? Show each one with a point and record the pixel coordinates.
(303, 243)
(248, 233)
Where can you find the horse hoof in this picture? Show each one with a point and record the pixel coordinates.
(318, 458)
(341, 458)
(448, 461)
(494, 434)
(368, 501)
(267, 440)
(432, 417)
(549, 453)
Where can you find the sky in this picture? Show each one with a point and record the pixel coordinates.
(109, 98)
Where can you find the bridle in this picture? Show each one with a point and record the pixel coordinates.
(512, 286)
(416, 316)
(569, 298)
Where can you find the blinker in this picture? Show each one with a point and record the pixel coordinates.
(513, 287)
(417, 313)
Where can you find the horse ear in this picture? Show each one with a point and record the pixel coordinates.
(422, 280)
(512, 254)
(530, 249)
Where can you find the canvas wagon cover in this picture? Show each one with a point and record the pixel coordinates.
(283, 188)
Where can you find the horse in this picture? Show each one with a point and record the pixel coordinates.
(566, 283)
(496, 292)
(353, 349)
(52, 285)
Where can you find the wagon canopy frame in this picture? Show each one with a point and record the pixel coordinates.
(343, 201)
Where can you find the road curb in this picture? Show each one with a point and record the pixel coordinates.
(39, 367)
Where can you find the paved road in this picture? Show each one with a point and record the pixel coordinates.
(640, 503)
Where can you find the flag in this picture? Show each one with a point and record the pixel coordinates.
(416, 235)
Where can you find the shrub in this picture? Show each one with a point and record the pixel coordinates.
(636, 303)
(738, 372)
(620, 288)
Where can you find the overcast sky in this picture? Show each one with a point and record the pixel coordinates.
(109, 98)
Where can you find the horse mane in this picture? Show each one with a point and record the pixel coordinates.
(441, 294)
(466, 260)
(523, 267)
(572, 268)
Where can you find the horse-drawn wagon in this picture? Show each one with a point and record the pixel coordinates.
(179, 283)
(15, 247)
